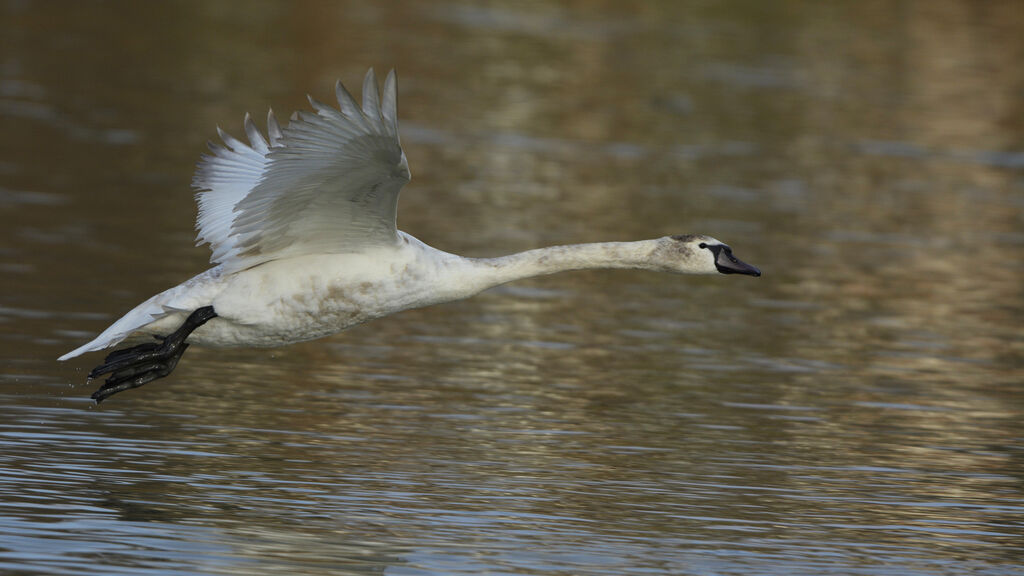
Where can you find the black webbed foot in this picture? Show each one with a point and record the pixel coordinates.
(138, 365)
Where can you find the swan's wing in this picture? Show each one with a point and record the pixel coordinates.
(224, 178)
(326, 183)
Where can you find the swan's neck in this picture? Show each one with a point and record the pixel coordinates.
(484, 273)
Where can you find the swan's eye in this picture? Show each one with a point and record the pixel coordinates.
(702, 245)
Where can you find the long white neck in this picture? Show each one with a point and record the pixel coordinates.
(483, 273)
(431, 276)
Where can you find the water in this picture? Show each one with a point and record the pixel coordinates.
(857, 410)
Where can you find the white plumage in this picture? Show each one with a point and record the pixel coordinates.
(304, 244)
(327, 184)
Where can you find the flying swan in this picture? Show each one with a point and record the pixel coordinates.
(302, 229)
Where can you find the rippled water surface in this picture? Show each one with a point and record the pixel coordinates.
(857, 410)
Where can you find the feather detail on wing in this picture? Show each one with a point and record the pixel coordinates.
(326, 183)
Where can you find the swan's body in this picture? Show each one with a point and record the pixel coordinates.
(304, 244)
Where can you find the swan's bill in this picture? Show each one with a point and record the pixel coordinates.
(726, 263)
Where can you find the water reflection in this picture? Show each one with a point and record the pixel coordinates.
(857, 410)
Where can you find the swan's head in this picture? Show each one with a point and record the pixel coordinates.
(698, 254)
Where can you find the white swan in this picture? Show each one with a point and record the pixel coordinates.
(302, 229)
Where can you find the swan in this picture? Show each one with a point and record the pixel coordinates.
(301, 224)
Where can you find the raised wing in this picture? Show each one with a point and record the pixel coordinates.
(327, 183)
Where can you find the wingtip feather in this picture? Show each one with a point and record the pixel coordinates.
(273, 128)
(389, 100)
(256, 139)
(346, 102)
(230, 141)
(371, 96)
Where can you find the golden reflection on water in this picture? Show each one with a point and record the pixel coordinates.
(857, 408)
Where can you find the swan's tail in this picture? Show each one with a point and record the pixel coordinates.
(139, 317)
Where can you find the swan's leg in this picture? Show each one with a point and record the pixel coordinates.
(138, 365)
